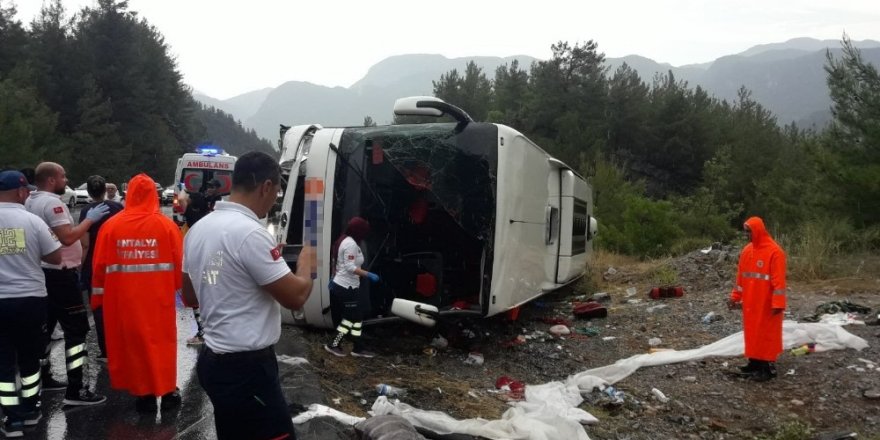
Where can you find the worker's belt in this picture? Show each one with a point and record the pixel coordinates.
(239, 355)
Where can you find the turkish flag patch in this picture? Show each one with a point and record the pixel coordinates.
(58, 210)
(351, 257)
(276, 253)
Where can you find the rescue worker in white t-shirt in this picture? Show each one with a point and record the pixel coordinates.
(234, 272)
(66, 304)
(24, 241)
(345, 308)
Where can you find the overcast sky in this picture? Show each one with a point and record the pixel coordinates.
(226, 47)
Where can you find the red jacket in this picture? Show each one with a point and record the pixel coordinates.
(760, 286)
(136, 272)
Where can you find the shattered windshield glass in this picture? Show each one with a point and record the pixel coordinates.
(458, 167)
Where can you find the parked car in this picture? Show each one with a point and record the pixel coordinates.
(167, 195)
(82, 195)
(69, 197)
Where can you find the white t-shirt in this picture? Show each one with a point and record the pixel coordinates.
(24, 240)
(49, 207)
(228, 255)
(348, 259)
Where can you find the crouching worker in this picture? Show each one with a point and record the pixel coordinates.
(136, 272)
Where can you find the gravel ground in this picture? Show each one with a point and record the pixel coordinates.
(825, 392)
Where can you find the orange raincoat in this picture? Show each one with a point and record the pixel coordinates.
(760, 286)
(137, 270)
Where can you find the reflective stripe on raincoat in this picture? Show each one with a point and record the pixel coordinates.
(136, 272)
(760, 285)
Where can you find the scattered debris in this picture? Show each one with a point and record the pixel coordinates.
(388, 390)
(439, 342)
(519, 340)
(587, 331)
(474, 358)
(653, 342)
(601, 297)
(834, 308)
(559, 330)
(689, 378)
(709, 318)
(615, 395)
(796, 402)
(589, 310)
(873, 394)
(292, 360)
(654, 308)
(659, 395)
(666, 292)
(631, 291)
(804, 349)
(609, 338)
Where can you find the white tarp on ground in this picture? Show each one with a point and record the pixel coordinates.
(550, 410)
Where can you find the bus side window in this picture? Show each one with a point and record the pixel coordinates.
(295, 231)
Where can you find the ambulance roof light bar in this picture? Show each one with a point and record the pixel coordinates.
(209, 150)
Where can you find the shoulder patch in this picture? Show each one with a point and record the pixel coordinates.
(58, 210)
(275, 253)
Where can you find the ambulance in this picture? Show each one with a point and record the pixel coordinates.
(467, 218)
(195, 170)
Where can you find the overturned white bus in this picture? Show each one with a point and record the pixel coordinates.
(467, 217)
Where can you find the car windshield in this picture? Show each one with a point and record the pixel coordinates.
(82, 187)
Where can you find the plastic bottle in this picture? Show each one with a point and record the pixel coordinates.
(388, 390)
(659, 395)
(804, 349)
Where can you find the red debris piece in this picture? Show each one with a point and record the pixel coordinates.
(589, 310)
(666, 292)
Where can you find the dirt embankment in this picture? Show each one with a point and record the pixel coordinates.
(818, 393)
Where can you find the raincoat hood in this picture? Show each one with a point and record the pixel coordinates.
(141, 196)
(760, 236)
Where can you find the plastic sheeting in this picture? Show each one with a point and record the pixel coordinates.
(550, 410)
(826, 337)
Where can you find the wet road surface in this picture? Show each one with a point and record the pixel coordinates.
(194, 419)
(117, 418)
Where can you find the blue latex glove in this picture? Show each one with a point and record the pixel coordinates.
(98, 212)
(373, 277)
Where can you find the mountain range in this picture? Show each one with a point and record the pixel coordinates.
(787, 78)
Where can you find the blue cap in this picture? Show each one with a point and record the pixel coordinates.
(12, 179)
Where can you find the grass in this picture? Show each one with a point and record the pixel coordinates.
(791, 431)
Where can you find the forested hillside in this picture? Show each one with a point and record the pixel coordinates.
(98, 92)
(674, 168)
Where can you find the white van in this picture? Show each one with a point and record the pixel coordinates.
(195, 170)
(467, 218)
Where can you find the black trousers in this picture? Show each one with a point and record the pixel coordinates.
(98, 313)
(22, 325)
(67, 308)
(345, 310)
(245, 391)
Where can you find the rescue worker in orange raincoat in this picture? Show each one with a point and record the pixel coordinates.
(760, 292)
(136, 272)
